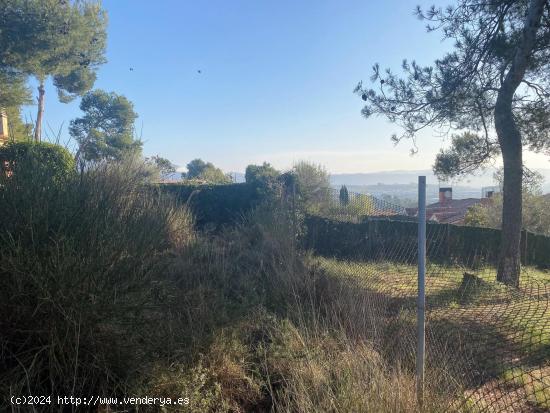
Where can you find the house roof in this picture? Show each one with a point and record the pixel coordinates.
(452, 211)
(456, 203)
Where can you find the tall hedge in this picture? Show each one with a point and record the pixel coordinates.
(397, 241)
(215, 205)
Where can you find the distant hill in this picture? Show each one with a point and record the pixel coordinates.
(403, 183)
(411, 177)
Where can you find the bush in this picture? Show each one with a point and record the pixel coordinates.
(39, 165)
(82, 279)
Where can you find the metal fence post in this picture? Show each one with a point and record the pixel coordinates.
(421, 303)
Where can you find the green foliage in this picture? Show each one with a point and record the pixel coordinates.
(106, 130)
(535, 211)
(65, 40)
(312, 184)
(266, 179)
(459, 92)
(195, 168)
(74, 84)
(164, 166)
(36, 167)
(13, 94)
(83, 275)
(493, 79)
(205, 172)
(344, 196)
(467, 152)
(369, 240)
(215, 205)
(53, 38)
(18, 130)
(261, 174)
(479, 216)
(13, 90)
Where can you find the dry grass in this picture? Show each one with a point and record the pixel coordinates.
(106, 289)
(488, 329)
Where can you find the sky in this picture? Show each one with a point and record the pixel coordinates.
(276, 81)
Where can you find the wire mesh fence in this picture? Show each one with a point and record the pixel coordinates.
(487, 344)
(344, 205)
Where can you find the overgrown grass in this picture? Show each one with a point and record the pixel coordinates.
(82, 268)
(489, 329)
(107, 289)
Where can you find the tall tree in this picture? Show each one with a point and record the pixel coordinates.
(344, 196)
(312, 183)
(165, 167)
(106, 131)
(53, 38)
(205, 171)
(494, 86)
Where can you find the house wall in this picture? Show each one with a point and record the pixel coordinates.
(3, 127)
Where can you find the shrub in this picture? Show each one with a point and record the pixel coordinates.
(39, 165)
(267, 181)
(82, 280)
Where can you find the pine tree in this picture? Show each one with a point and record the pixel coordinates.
(493, 87)
(52, 38)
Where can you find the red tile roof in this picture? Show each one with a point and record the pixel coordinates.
(452, 211)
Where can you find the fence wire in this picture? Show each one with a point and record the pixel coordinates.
(487, 344)
(353, 206)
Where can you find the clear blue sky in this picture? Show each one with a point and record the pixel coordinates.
(276, 82)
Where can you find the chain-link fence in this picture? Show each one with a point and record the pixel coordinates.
(348, 206)
(487, 344)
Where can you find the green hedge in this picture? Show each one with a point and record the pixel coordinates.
(215, 205)
(397, 241)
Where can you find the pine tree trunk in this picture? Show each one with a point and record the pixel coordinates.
(509, 138)
(509, 265)
(38, 128)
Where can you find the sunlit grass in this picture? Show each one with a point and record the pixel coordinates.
(499, 325)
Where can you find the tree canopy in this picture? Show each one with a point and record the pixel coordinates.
(205, 171)
(13, 89)
(164, 166)
(312, 182)
(261, 174)
(536, 207)
(492, 87)
(106, 131)
(51, 38)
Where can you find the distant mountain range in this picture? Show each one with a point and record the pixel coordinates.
(408, 177)
(402, 184)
